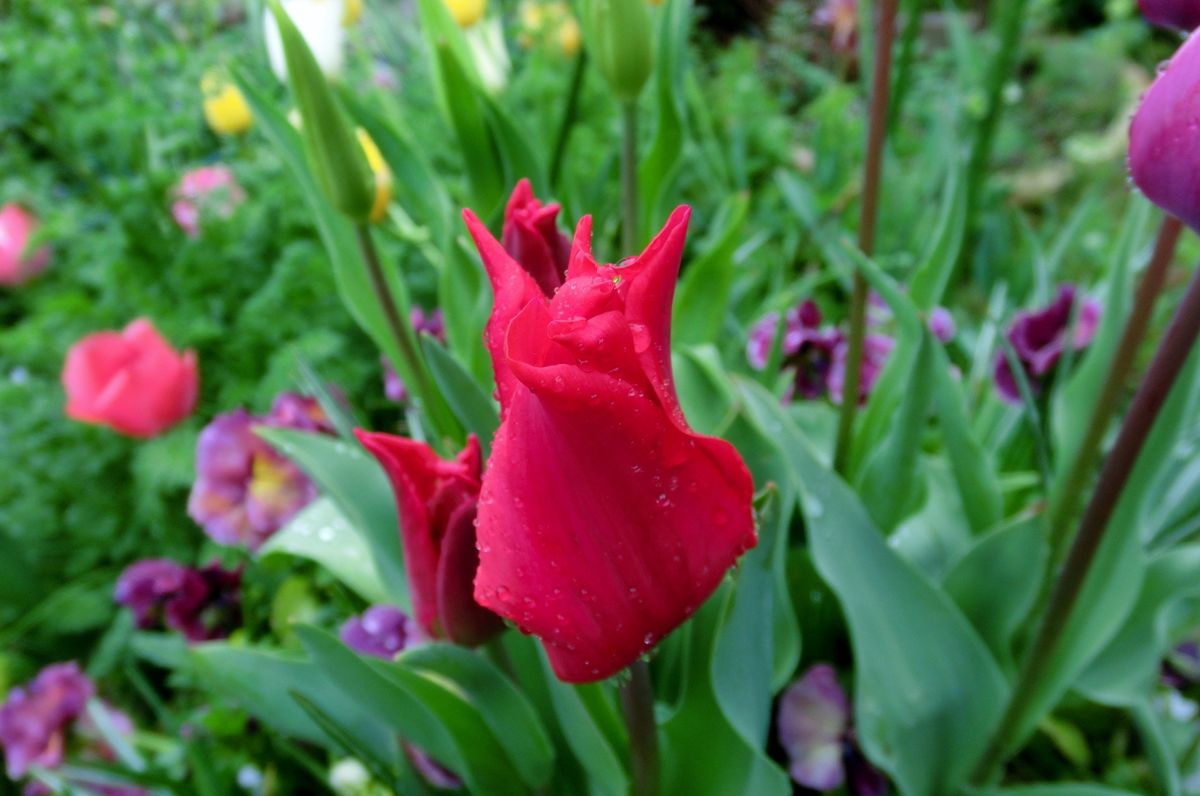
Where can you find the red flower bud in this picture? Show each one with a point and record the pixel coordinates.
(1164, 137)
(436, 501)
(1180, 14)
(532, 237)
(604, 520)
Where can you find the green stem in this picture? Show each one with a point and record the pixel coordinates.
(872, 169)
(423, 388)
(637, 706)
(629, 186)
(1072, 485)
(1168, 361)
(570, 114)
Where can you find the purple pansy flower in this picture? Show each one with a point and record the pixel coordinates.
(876, 349)
(202, 604)
(1040, 337)
(814, 729)
(34, 718)
(245, 490)
(430, 323)
(807, 348)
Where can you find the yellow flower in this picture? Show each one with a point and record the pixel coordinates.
(466, 12)
(569, 37)
(225, 108)
(383, 175)
(353, 12)
(531, 15)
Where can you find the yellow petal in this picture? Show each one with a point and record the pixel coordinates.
(466, 12)
(383, 175)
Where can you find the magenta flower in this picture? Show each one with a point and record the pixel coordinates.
(382, 631)
(815, 732)
(431, 323)
(34, 719)
(18, 262)
(531, 237)
(1039, 339)
(807, 347)
(202, 604)
(876, 349)
(941, 323)
(1179, 14)
(1164, 150)
(245, 490)
(208, 191)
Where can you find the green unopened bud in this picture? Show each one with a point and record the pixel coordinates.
(620, 39)
(333, 150)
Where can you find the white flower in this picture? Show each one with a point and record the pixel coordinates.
(320, 23)
(349, 777)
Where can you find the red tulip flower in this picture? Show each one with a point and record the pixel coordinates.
(436, 501)
(1179, 14)
(1164, 149)
(532, 238)
(131, 381)
(604, 520)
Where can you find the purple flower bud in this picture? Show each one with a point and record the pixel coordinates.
(381, 630)
(1180, 14)
(1164, 148)
(814, 717)
(941, 323)
(1039, 339)
(876, 349)
(34, 718)
(244, 490)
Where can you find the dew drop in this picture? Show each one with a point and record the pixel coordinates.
(641, 337)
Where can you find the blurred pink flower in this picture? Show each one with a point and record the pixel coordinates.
(34, 718)
(131, 381)
(876, 350)
(244, 489)
(202, 604)
(205, 191)
(17, 263)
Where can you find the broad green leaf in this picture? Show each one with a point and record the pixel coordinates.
(1126, 670)
(483, 163)
(395, 770)
(704, 291)
(504, 709)
(592, 730)
(425, 709)
(1158, 749)
(972, 468)
(1055, 789)
(322, 534)
(517, 148)
(473, 407)
(357, 486)
(465, 300)
(260, 681)
(704, 392)
(706, 751)
(928, 692)
(996, 583)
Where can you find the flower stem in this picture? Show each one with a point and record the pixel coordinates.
(423, 388)
(629, 186)
(1072, 485)
(570, 113)
(637, 705)
(1160, 377)
(872, 169)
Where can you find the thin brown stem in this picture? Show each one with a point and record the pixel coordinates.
(1073, 484)
(637, 706)
(872, 171)
(1168, 361)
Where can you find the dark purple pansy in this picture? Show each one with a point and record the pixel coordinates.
(807, 348)
(876, 350)
(202, 604)
(1040, 337)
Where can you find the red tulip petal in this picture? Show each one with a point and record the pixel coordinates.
(632, 525)
(512, 289)
(464, 621)
(411, 466)
(651, 289)
(581, 262)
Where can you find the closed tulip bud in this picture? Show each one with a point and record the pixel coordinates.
(1164, 148)
(225, 108)
(380, 173)
(569, 37)
(321, 23)
(621, 40)
(1179, 14)
(466, 12)
(336, 156)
